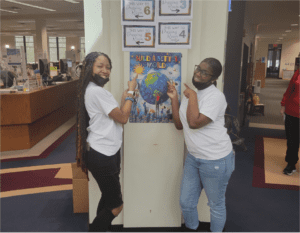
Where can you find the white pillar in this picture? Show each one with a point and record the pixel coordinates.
(41, 39)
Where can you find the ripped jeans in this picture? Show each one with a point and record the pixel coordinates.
(213, 177)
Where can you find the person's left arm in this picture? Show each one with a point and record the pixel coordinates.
(195, 119)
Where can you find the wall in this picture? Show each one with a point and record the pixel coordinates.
(290, 50)
(153, 154)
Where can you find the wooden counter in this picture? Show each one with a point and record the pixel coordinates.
(28, 117)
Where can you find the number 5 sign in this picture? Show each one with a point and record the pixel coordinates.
(138, 11)
(175, 35)
(138, 38)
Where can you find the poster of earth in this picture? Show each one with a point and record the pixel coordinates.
(151, 103)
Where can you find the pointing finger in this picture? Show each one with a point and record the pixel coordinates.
(186, 86)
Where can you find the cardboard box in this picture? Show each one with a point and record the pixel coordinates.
(80, 190)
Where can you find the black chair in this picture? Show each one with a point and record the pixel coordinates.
(233, 130)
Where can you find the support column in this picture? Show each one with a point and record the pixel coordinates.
(41, 39)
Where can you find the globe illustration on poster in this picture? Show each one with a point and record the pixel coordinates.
(155, 72)
(155, 84)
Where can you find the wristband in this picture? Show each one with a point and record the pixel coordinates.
(130, 92)
(129, 98)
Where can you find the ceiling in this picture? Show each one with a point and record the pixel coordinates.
(270, 18)
(65, 19)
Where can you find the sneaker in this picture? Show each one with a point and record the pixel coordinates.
(289, 170)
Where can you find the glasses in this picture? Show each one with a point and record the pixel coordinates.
(202, 72)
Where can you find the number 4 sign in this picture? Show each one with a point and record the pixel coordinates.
(138, 38)
(138, 11)
(175, 35)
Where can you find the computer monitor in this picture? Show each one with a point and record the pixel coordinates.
(44, 68)
(63, 66)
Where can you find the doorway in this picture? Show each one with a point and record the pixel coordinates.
(274, 56)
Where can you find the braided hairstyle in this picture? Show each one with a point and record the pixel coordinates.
(82, 122)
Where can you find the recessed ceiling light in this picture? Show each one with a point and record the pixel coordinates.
(26, 4)
(280, 38)
(288, 30)
(8, 11)
(71, 1)
(294, 24)
(7, 46)
(284, 34)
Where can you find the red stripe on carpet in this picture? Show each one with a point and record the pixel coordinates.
(47, 152)
(31, 179)
(259, 168)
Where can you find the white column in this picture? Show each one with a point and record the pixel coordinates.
(41, 39)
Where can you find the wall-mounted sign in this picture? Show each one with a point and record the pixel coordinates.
(152, 103)
(138, 38)
(174, 9)
(138, 11)
(14, 56)
(174, 35)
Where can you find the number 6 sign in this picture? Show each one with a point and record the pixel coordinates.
(138, 11)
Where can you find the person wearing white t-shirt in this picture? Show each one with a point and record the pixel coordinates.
(210, 159)
(99, 134)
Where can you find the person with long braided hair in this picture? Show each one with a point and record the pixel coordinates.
(99, 134)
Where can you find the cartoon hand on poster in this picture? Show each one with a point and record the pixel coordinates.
(155, 70)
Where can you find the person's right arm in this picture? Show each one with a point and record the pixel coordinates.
(121, 115)
(172, 93)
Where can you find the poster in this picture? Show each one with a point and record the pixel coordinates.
(138, 11)
(151, 103)
(175, 35)
(14, 57)
(138, 38)
(175, 9)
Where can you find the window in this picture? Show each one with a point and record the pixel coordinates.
(53, 49)
(82, 48)
(62, 46)
(28, 44)
(57, 48)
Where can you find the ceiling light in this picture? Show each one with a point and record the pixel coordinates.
(72, 47)
(284, 34)
(7, 46)
(67, 20)
(280, 38)
(71, 1)
(8, 11)
(294, 24)
(27, 21)
(288, 30)
(25, 4)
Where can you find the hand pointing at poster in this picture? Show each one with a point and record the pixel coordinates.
(132, 84)
(188, 91)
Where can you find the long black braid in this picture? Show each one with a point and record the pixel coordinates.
(83, 118)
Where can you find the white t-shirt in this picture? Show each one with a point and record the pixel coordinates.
(210, 142)
(105, 134)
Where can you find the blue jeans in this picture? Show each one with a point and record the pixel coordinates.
(213, 177)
